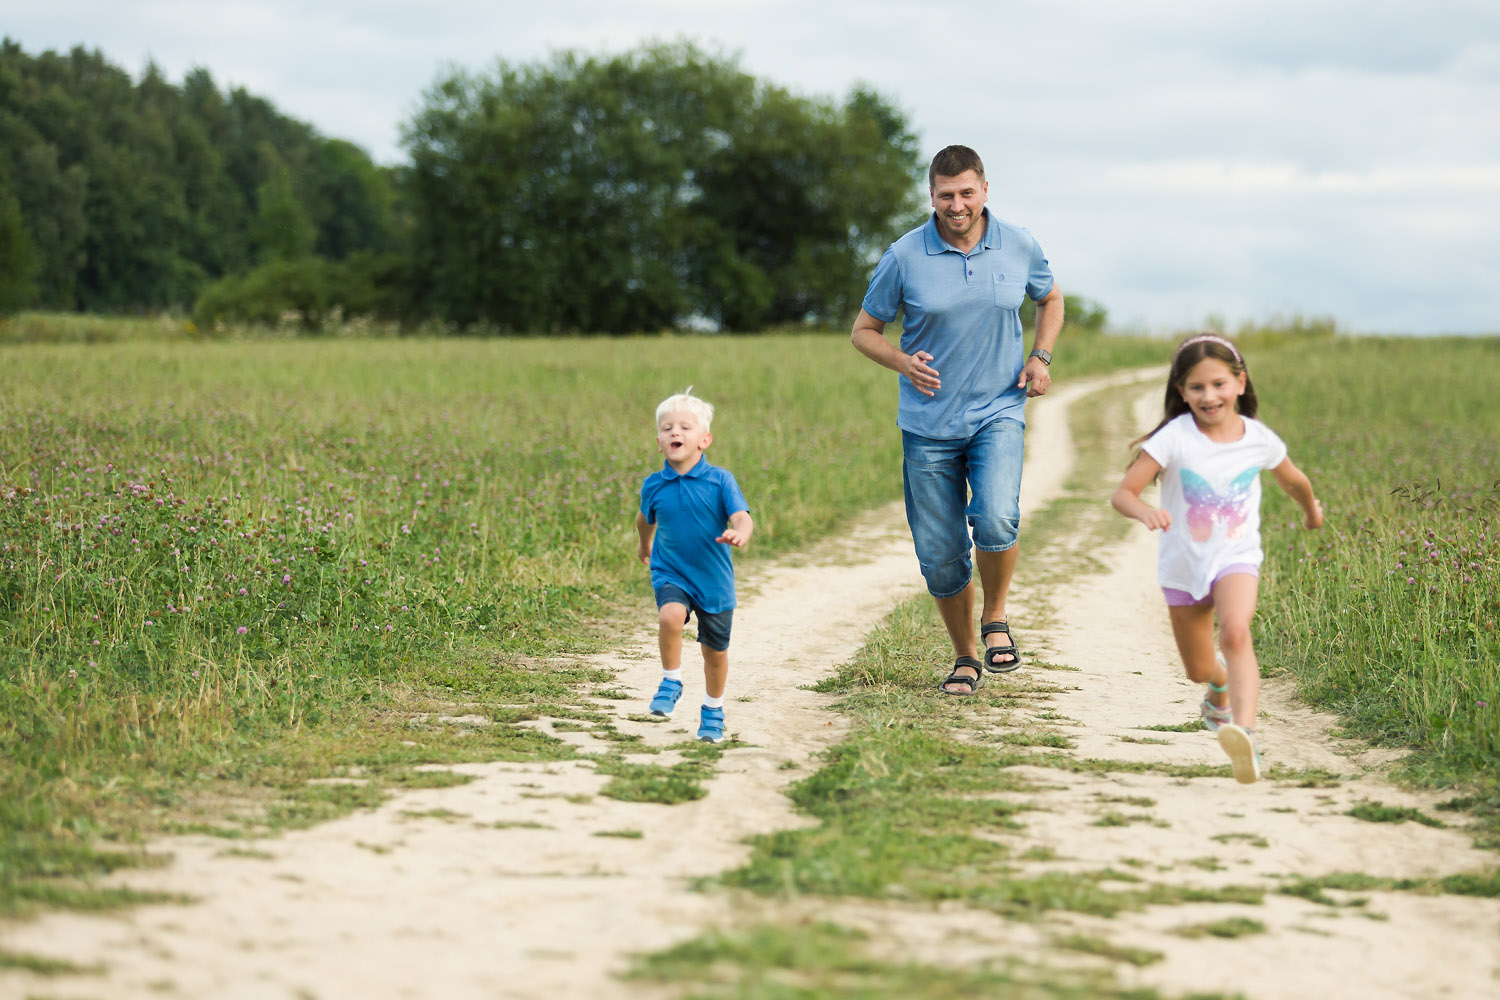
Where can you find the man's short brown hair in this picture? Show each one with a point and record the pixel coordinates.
(952, 161)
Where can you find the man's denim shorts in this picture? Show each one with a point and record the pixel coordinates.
(713, 630)
(939, 475)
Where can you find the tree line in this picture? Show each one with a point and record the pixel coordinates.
(661, 187)
(126, 195)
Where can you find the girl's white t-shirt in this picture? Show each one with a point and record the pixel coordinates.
(1212, 491)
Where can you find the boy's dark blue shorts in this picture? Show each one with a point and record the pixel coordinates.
(713, 630)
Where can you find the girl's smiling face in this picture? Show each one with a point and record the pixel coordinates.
(1211, 391)
(682, 437)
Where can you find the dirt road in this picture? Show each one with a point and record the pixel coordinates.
(519, 884)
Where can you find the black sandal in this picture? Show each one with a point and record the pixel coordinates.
(975, 683)
(990, 652)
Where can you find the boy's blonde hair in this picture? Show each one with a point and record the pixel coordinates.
(686, 402)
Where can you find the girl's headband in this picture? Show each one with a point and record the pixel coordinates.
(1200, 338)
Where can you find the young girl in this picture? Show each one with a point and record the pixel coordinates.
(1209, 451)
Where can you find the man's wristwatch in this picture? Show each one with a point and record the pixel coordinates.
(1046, 356)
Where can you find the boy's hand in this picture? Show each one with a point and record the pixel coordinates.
(1155, 518)
(643, 552)
(1314, 518)
(735, 537)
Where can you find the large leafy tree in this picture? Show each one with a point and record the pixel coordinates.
(135, 194)
(646, 190)
(17, 258)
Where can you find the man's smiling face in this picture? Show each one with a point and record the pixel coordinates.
(959, 203)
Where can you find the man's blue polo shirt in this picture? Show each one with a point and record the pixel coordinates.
(963, 309)
(690, 511)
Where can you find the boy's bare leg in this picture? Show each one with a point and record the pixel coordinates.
(715, 671)
(671, 619)
(1234, 600)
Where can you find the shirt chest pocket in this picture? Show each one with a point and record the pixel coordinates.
(1010, 290)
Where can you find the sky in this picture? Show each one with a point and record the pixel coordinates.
(1212, 162)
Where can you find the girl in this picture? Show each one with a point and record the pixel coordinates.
(1209, 451)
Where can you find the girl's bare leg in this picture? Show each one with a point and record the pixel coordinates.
(1234, 601)
(1193, 628)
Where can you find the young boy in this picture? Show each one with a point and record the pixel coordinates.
(690, 501)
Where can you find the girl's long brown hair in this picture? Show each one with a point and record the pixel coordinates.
(1191, 351)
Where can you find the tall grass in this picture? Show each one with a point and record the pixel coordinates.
(1389, 614)
(83, 328)
(237, 563)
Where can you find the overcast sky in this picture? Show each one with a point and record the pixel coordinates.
(1177, 160)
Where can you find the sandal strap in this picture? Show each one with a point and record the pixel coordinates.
(967, 661)
(1217, 688)
(987, 628)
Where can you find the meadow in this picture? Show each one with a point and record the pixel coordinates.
(1406, 654)
(227, 567)
(1389, 615)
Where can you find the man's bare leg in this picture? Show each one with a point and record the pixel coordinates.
(995, 572)
(958, 616)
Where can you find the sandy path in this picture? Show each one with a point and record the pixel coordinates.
(427, 897)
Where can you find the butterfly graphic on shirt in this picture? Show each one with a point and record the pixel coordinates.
(1205, 505)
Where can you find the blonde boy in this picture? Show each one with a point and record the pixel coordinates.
(685, 507)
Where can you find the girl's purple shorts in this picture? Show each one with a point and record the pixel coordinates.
(1182, 599)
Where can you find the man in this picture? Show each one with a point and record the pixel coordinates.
(958, 280)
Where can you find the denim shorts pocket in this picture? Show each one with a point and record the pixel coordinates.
(1009, 290)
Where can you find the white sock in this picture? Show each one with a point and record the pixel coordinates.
(673, 675)
(713, 702)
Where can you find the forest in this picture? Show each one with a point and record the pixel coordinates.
(659, 188)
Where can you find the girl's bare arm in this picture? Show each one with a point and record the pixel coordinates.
(1297, 486)
(1127, 499)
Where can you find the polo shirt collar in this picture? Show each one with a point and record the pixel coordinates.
(936, 244)
(667, 472)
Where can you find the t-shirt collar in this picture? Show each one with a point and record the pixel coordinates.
(936, 244)
(702, 467)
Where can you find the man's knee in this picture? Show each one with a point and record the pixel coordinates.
(949, 578)
(996, 533)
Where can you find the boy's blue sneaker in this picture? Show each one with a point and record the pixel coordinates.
(666, 697)
(711, 725)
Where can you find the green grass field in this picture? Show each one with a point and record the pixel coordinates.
(909, 804)
(228, 567)
(1389, 615)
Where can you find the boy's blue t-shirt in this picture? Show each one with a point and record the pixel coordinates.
(690, 510)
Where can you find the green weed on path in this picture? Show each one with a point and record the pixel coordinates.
(823, 961)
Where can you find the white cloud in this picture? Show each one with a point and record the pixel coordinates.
(1176, 158)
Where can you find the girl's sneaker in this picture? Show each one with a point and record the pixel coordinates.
(711, 725)
(1215, 716)
(666, 697)
(1244, 758)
